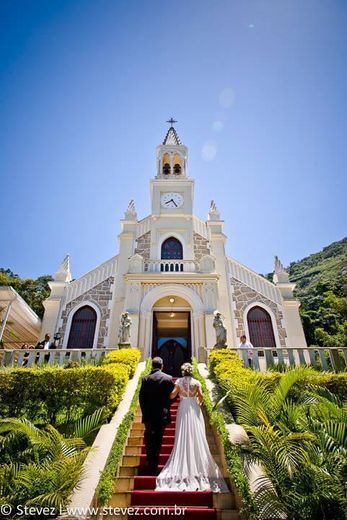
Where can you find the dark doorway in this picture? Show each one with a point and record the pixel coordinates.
(171, 340)
(82, 329)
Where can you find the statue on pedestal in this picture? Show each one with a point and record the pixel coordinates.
(124, 331)
(221, 331)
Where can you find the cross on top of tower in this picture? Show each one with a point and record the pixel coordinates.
(171, 137)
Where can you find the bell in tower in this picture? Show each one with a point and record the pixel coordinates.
(172, 156)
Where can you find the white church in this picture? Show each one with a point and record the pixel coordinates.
(171, 274)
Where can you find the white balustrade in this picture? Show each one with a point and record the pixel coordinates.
(170, 266)
(254, 280)
(260, 359)
(326, 359)
(91, 279)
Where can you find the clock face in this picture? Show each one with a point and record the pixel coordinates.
(171, 200)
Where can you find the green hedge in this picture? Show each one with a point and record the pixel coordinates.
(126, 356)
(229, 371)
(58, 395)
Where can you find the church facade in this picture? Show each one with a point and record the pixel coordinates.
(171, 274)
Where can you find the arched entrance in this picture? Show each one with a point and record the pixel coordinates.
(187, 300)
(261, 333)
(82, 329)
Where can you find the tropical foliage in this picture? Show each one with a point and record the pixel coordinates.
(39, 467)
(297, 429)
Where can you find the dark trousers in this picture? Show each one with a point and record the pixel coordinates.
(153, 440)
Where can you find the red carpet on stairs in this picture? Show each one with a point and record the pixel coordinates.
(198, 504)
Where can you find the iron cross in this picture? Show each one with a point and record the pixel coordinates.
(171, 121)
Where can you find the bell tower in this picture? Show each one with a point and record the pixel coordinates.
(171, 189)
(172, 156)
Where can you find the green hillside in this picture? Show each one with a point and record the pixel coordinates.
(321, 280)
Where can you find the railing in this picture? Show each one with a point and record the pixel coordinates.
(170, 266)
(18, 358)
(326, 359)
(254, 280)
(91, 279)
(260, 359)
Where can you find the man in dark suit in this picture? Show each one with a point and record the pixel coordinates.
(155, 406)
(45, 345)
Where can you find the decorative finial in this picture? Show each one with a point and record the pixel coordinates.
(63, 274)
(172, 121)
(278, 265)
(280, 274)
(130, 213)
(213, 213)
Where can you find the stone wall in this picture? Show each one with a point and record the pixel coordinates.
(100, 295)
(201, 246)
(143, 245)
(243, 296)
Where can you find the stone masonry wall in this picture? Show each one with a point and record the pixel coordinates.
(243, 296)
(143, 246)
(100, 295)
(201, 246)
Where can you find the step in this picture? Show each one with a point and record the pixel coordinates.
(163, 458)
(123, 484)
(144, 482)
(165, 448)
(185, 513)
(127, 471)
(228, 514)
(141, 449)
(143, 470)
(170, 498)
(138, 419)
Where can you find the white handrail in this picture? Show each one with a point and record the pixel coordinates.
(254, 281)
(91, 279)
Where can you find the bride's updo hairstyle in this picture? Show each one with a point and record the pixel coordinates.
(187, 369)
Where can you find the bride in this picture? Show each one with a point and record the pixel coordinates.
(191, 466)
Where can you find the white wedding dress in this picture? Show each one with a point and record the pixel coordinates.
(191, 466)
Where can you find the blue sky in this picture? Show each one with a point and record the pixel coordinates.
(258, 89)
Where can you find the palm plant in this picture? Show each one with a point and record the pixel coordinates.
(299, 439)
(41, 467)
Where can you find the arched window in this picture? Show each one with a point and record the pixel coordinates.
(171, 249)
(82, 329)
(261, 333)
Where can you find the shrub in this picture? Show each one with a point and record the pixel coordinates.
(57, 395)
(218, 356)
(229, 372)
(126, 356)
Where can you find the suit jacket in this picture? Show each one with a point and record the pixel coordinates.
(41, 345)
(155, 397)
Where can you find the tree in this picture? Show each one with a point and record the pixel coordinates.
(34, 292)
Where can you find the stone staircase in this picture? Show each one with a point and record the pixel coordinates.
(134, 487)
